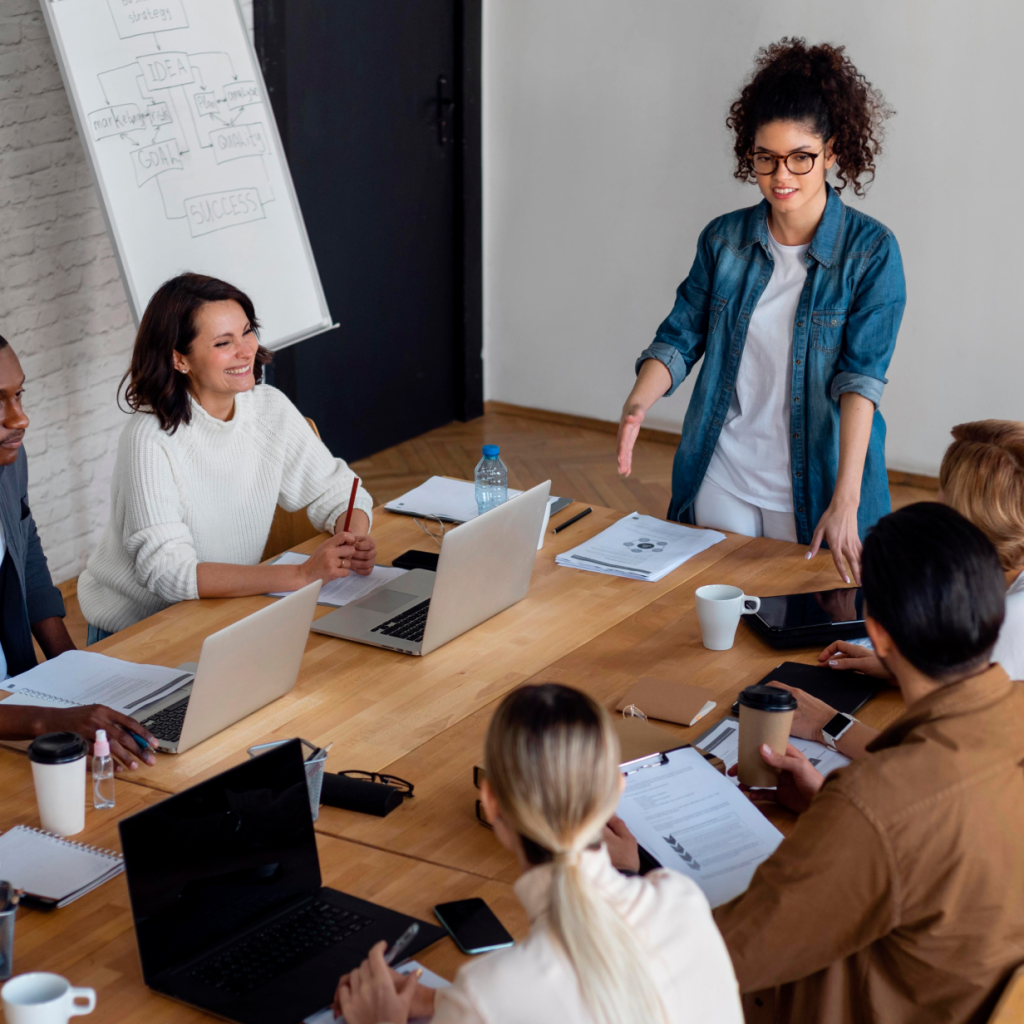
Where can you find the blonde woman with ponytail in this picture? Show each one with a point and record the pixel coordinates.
(603, 948)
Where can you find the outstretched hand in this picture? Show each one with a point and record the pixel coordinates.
(838, 526)
(629, 430)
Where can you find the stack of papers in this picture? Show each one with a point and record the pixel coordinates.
(640, 548)
(452, 501)
(723, 740)
(345, 589)
(79, 677)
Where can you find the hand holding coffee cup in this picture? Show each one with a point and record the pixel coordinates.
(42, 998)
(719, 608)
(766, 714)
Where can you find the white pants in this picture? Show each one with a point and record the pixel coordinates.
(714, 506)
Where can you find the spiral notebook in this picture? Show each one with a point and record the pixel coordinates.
(53, 871)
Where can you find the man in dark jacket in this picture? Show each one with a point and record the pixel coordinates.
(29, 602)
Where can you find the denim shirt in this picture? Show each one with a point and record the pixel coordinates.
(846, 324)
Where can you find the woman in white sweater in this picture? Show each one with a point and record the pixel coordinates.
(207, 456)
(602, 948)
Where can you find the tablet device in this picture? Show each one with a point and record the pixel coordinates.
(846, 690)
(809, 620)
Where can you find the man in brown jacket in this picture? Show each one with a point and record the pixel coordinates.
(899, 896)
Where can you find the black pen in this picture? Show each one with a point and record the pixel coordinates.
(569, 522)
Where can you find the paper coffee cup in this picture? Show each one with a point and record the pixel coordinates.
(719, 608)
(766, 714)
(58, 771)
(42, 998)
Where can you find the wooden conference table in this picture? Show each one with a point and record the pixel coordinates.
(424, 720)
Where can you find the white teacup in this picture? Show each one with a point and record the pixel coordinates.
(41, 998)
(719, 608)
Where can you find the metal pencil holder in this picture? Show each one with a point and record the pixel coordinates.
(314, 769)
(7, 943)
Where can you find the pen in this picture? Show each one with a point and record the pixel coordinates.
(141, 742)
(351, 499)
(400, 943)
(569, 522)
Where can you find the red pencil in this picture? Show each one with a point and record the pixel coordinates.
(351, 503)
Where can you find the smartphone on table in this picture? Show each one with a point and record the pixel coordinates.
(473, 926)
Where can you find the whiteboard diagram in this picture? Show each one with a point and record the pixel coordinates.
(174, 115)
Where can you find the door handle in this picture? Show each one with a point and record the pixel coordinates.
(445, 106)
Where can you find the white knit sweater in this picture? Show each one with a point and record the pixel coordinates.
(205, 493)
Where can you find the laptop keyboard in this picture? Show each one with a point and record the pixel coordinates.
(407, 625)
(288, 942)
(167, 724)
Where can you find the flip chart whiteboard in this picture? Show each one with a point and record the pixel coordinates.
(175, 120)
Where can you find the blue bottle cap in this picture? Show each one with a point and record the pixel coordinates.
(491, 451)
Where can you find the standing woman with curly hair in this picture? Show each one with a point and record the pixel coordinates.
(795, 305)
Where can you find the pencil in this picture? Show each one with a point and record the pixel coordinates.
(351, 503)
(569, 522)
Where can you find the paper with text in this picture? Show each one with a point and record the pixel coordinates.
(345, 589)
(640, 548)
(692, 820)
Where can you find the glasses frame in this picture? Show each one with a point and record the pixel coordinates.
(359, 775)
(785, 160)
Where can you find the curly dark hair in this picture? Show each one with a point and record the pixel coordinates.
(820, 87)
(169, 325)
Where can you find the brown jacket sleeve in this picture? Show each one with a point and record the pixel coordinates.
(829, 890)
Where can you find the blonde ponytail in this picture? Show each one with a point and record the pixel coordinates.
(552, 761)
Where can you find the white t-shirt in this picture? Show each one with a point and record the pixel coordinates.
(1009, 650)
(751, 459)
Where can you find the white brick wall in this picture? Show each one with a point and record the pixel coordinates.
(62, 305)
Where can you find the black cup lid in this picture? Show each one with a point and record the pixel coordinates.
(763, 697)
(57, 748)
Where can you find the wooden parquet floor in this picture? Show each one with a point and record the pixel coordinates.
(579, 460)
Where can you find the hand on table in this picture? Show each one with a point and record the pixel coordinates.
(811, 714)
(629, 431)
(623, 848)
(838, 526)
(843, 655)
(799, 780)
(374, 994)
(86, 720)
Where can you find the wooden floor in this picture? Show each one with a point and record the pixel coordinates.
(579, 460)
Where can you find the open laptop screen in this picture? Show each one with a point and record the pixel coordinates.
(206, 863)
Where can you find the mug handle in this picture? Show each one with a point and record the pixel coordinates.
(751, 601)
(77, 1009)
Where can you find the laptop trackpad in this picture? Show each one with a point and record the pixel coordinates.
(385, 601)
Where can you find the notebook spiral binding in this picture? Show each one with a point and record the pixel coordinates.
(62, 701)
(98, 850)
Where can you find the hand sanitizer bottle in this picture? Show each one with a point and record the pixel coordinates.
(102, 772)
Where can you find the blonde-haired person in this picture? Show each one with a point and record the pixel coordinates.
(982, 477)
(603, 948)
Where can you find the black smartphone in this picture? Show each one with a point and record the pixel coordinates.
(473, 926)
(414, 559)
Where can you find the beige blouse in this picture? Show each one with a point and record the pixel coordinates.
(533, 983)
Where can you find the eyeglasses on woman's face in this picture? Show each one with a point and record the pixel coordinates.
(798, 163)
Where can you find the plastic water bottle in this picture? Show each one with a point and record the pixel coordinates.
(491, 480)
(102, 772)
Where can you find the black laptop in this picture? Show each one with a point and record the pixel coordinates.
(810, 620)
(230, 915)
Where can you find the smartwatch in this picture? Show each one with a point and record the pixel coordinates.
(835, 727)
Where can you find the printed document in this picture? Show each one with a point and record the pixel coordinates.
(81, 677)
(640, 548)
(345, 589)
(453, 501)
(428, 979)
(723, 740)
(686, 815)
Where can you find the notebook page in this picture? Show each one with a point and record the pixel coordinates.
(49, 867)
(345, 589)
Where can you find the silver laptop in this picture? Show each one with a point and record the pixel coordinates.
(241, 668)
(485, 565)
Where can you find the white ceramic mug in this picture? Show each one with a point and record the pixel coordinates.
(41, 998)
(719, 608)
(58, 771)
